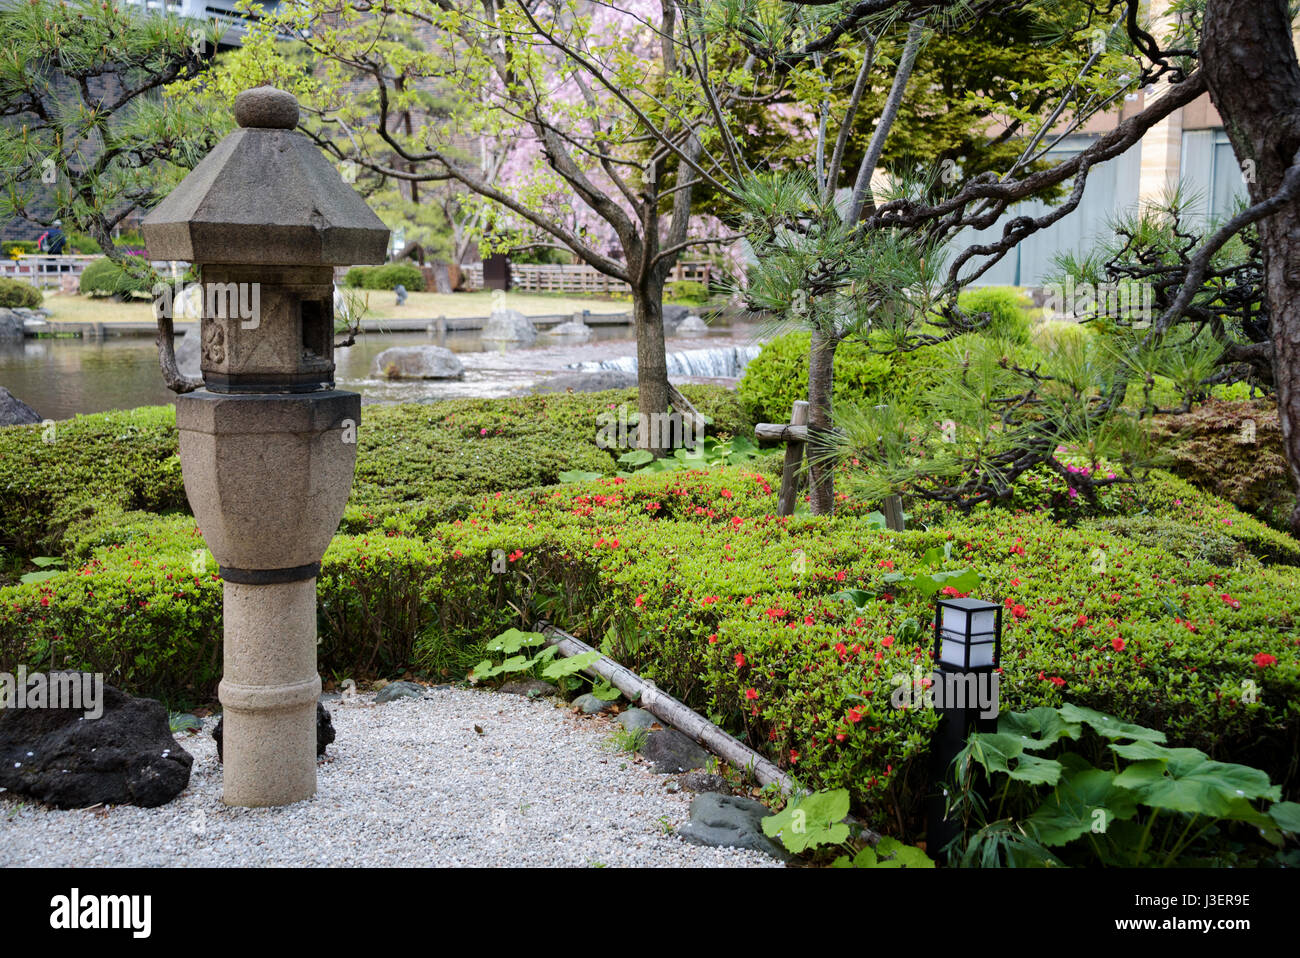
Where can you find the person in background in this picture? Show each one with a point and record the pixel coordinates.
(52, 240)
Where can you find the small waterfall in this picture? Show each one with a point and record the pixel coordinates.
(726, 362)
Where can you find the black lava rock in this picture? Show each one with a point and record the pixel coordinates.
(324, 731)
(127, 756)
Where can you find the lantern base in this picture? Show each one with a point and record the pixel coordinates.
(269, 693)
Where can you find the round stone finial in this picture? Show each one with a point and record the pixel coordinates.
(266, 108)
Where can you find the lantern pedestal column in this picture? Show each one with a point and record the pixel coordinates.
(268, 477)
(269, 693)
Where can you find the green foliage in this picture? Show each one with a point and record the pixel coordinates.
(687, 292)
(48, 568)
(811, 821)
(8, 248)
(103, 277)
(100, 464)
(387, 276)
(1008, 318)
(674, 575)
(83, 244)
(778, 376)
(15, 293)
(888, 853)
(70, 150)
(1088, 789)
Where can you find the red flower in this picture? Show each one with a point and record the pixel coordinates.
(839, 576)
(1264, 660)
(639, 601)
(1081, 620)
(737, 522)
(775, 613)
(726, 493)
(855, 715)
(1019, 611)
(740, 660)
(751, 694)
(794, 757)
(709, 599)
(1117, 644)
(1234, 603)
(887, 641)
(886, 563)
(1057, 680)
(841, 648)
(713, 639)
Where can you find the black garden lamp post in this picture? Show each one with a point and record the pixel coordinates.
(967, 650)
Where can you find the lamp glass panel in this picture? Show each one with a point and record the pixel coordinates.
(954, 620)
(983, 621)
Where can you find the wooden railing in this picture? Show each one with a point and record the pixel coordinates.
(537, 278)
(41, 269)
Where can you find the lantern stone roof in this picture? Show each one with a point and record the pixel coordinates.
(265, 195)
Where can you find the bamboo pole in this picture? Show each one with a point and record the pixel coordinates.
(663, 706)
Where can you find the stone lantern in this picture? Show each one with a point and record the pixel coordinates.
(268, 447)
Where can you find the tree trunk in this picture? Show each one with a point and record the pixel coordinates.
(651, 364)
(1249, 59)
(821, 380)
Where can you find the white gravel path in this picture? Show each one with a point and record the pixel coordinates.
(407, 783)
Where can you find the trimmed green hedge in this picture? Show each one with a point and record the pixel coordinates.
(387, 276)
(678, 574)
(15, 294)
(103, 277)
(432, 453)
(1159, 611)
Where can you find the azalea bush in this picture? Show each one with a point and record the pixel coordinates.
(690, 579)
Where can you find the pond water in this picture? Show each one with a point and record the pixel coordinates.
(60, 378)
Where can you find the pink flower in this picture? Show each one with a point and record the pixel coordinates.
(751, 694)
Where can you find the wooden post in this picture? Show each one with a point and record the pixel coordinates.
(793, 462)
(894, 513)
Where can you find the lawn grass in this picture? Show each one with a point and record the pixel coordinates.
(75, 308)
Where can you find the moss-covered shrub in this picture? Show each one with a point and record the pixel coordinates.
(15, 294)
(9, 247)
(778, 376)
(387, 276)
(103, 277)
(102, 463)
(1008, 318)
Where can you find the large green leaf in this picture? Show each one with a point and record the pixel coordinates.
(486, 670)
(814, 820)
(637, 457)
(1286, 815)
(569, 666)
(997, 751)
(512, 640)
(1072, 808)
(963, 580)
(578, 475)
(31, 577)
(891, 853)
(1187, 780)
(1108, 726)
(855, 597)
(1039, 727)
